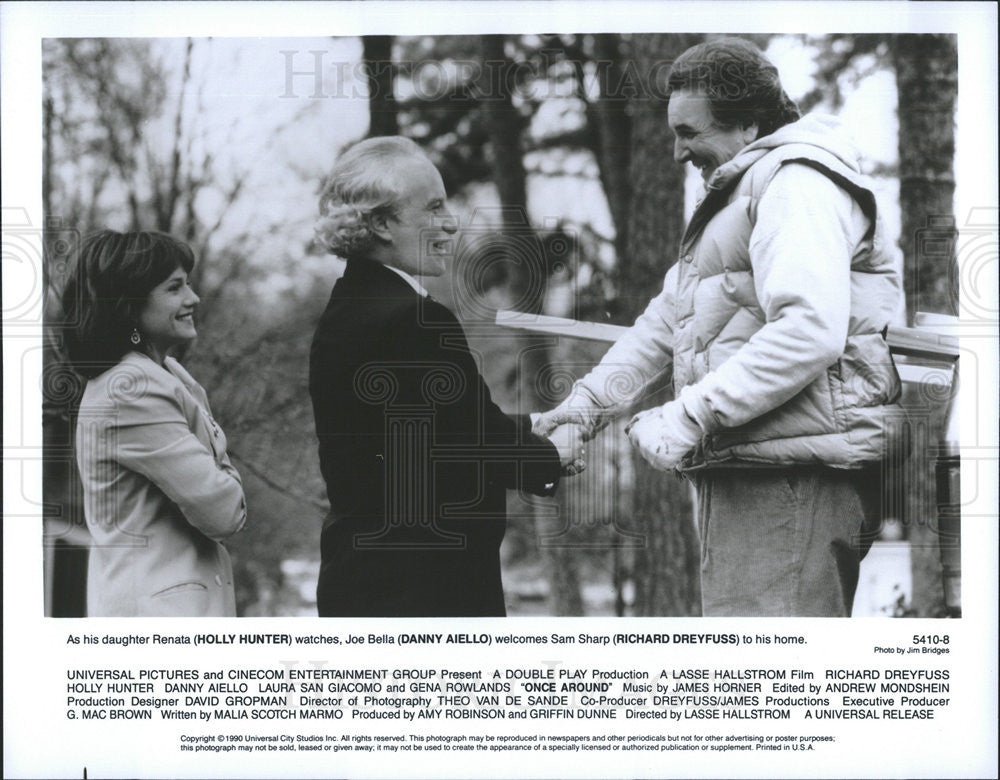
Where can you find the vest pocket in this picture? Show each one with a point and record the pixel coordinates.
(809, 413)
(868, 375)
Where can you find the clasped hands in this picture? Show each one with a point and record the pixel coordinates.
(566, 430)
(568, 439)
(663, 435)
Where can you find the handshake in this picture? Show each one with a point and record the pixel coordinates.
(569, 439)
(663, 435)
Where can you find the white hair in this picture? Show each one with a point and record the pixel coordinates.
(364, 183)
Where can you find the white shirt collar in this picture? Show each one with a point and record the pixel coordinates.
(410, 281)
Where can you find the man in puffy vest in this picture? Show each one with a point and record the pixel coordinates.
(772, 323)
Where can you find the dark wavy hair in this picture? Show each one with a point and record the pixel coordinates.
(107, 289)
(742, 84)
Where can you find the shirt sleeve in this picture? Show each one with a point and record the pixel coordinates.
(801, 246)
(643, 354)
(154, 439)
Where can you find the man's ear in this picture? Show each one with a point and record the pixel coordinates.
(378, 223)
(750, 133)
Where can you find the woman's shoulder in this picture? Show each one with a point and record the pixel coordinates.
(173, 366)
(134, 381)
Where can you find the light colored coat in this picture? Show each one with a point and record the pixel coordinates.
(159, 492)
(773, 318)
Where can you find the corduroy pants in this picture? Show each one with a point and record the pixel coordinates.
(783, 542)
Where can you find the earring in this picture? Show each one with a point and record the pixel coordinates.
(135, 338)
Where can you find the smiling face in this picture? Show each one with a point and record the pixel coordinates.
(699, 138)
(167, 319)
(416, 239)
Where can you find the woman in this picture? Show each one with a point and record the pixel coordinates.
(159, 490)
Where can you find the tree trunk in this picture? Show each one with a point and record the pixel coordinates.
(166, 205)
(927, 82)
(526, 272)
(611, 126)
(666, 570)
(503, 125)
(47, 115)
(381, 75)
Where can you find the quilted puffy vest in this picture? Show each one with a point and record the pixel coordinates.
(844, 417)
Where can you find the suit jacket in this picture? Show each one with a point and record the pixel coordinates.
(159, 491)
(416, 456)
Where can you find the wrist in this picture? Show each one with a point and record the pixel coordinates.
(697, 412)
(679, 426)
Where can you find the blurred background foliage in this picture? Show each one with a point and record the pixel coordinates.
(557, 157)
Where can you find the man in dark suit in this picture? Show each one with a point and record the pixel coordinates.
(415, 454)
